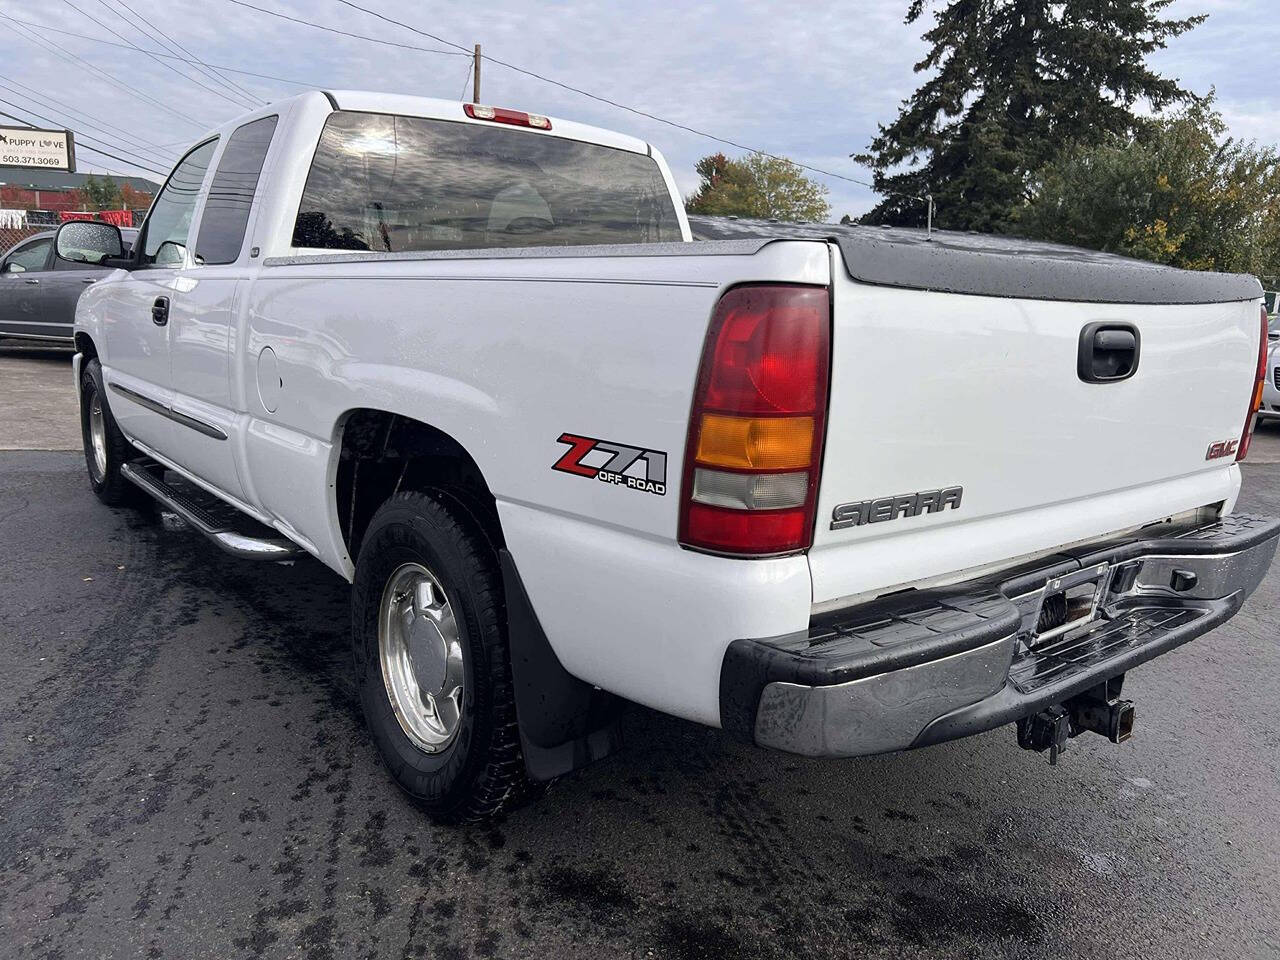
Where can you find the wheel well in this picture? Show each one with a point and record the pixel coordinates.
(383, 453)
(85, 345)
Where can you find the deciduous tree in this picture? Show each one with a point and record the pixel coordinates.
(757, 186)
(1176, 190)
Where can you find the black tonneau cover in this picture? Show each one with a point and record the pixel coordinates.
(992, 265)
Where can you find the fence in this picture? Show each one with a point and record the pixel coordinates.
(8, 237)
(27, 223)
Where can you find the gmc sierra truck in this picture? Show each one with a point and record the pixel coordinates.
(835, 490)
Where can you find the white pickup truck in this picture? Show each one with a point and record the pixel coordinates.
(836, 490)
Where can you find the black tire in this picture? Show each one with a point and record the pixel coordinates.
(481, 772)
(107, 483)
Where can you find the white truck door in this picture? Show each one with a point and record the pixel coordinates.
(201, 336)
(138, 309)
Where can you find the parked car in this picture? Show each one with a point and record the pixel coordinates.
(39, 291)
(1270, 409)
(836, 490)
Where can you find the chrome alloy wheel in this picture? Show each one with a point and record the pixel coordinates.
(98, 435)
(421, 654)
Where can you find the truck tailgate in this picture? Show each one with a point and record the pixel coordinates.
(932, 391)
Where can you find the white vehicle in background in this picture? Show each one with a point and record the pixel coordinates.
(836, 490)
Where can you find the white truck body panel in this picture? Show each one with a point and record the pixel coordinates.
(932, 390)
(504, 353)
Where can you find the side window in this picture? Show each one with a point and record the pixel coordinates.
(33, 256)
(169, 223)
(226, 212)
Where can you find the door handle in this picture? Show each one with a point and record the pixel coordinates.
(160, 311)
(88, 280)
(32, 281)
(1108, 352)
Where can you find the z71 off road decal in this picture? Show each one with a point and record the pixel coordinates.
(609, 462)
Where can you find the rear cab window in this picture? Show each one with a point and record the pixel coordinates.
(391, 184)
(226, 211)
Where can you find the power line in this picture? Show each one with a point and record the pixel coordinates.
(168, 66)
(61, 106)
(599, 99)
(129, 163)
(129, 46)
(80, 135)
(174, 45)
(67, 54)
(347, 33)
(466, 82)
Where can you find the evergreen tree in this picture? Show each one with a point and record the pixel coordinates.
(101, 194)
(1012, 81)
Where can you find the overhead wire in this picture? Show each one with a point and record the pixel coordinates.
(176, 46)
(60, 106)
(17, 21)
(464, 51)
(66, 54)
(127, 162)
(348, 33)
(80, 135)
(168, 66)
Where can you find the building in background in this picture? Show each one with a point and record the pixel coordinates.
(32, 200)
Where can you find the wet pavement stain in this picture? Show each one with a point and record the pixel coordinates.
(184, 773)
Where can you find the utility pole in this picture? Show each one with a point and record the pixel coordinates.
(475, 80)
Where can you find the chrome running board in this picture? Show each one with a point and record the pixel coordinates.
(148, 476)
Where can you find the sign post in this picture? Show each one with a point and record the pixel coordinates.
(29, 148)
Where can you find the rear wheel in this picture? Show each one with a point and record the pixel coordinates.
(105, 448)
(431, 657)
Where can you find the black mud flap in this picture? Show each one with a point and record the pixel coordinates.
(565, 723)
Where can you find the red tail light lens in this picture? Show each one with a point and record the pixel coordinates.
(1255, 400)
(755, 434)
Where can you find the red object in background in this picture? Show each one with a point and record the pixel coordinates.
(121, 218)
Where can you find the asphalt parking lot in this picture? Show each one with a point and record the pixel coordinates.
(184, 773)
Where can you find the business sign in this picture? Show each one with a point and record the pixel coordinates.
(33, 149)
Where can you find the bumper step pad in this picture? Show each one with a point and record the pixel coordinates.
(1060, 659)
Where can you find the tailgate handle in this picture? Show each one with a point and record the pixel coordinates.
(1108, 352)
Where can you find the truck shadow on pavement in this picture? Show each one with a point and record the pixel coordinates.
(684, 841)
(215, 789)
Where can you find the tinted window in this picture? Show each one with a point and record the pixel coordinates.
(169, 222)
(226, 212)
(31, 257)
(388, 183)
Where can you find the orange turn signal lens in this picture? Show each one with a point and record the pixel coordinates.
(755, 443)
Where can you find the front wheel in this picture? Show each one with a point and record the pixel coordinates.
(105, 448)
(432, 663)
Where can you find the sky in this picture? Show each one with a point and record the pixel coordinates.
(810, 81)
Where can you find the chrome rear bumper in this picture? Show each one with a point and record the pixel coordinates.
(927, 666)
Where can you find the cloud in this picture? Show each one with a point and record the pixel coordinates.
(809, 81)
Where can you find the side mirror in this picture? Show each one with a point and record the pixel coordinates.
(88, 241)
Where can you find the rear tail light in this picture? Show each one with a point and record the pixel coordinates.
(755, 433)
(1255, 400)
(517, 118)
